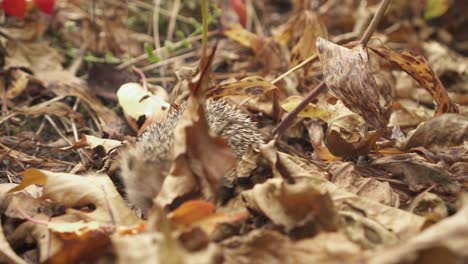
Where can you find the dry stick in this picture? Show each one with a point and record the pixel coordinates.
(172, 21)
(322, 86)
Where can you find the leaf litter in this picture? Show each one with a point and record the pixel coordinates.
(373, 170)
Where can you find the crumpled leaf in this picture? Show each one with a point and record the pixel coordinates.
(418, 68)
(301, 32)
(419, 173)
(249, 86)
(349, 77)
(347, 177)
(266, 246)
(84, 244)
(287, 204)
(7, 255)
(74, 191)
(347, 136)
(152, 248)
(438, 133)
(444, 242)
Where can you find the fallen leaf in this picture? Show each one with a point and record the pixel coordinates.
(7, 255)
(267, 51)
(75, 191)
(301, 32)
(445, 242)
(191, 211)
(266, 246)
(348, 76)
(287, 204)
(250, 86)
(418, 173)
(438, 133)
(346, 176)
(311, 110)
(418, 68)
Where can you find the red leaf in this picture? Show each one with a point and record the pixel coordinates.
(15, 8)
(46, 6)
(239, 7)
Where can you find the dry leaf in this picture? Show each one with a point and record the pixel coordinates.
(419, 173)
(250, 86)
(288, 204)
(311, 110)
(7, 255)
(347, 177)
(265, 246)
(349, 77)
(75, 191)
(444, 242)
(191, 211)
(267, 51)
(418, 68)
(402, 223)
(347, 136)
(301, 32)
(438, 133)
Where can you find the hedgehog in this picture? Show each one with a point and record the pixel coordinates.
(145, 164)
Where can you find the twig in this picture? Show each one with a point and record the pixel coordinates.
(295, 68)
(375, 22)
(157, 4)
(172, 21)
(287, 121)
(144, 82)
(322, 87)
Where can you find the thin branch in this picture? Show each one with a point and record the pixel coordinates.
(295, 68)
(375, 22)
(157, 4)
(172, 21)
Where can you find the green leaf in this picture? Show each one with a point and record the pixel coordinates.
(435, 8)
(153, 58)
